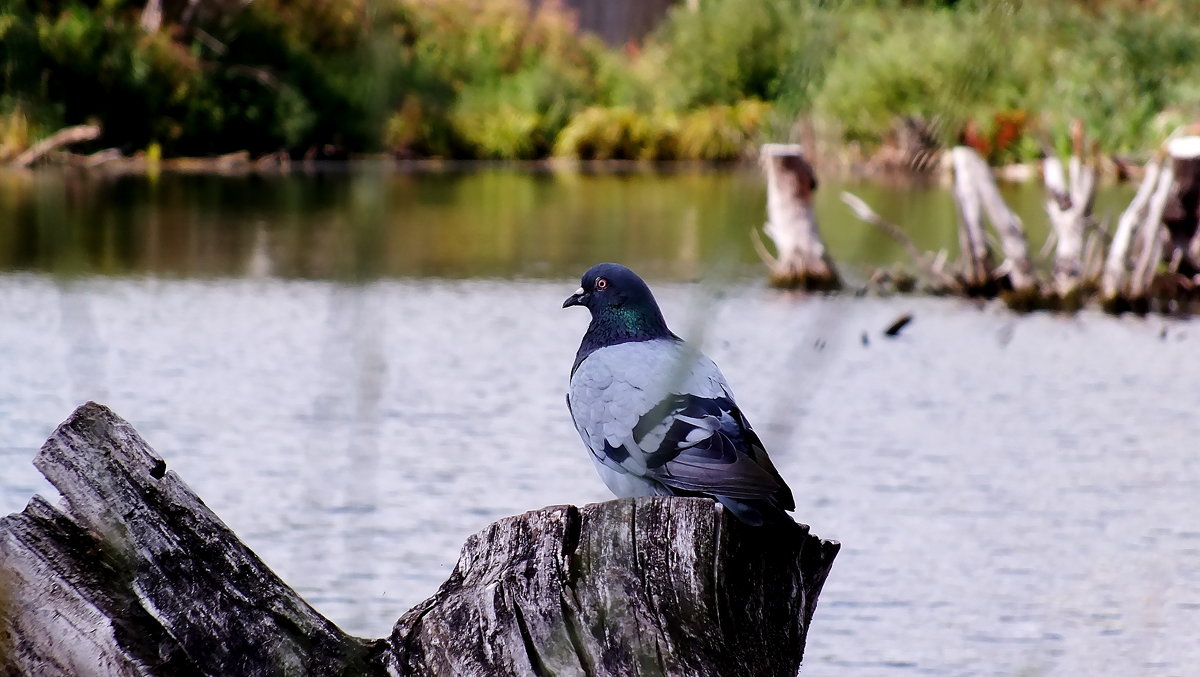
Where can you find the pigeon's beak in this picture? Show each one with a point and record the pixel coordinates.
(575, 299)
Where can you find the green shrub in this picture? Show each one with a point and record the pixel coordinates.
(721, 132)
(503, 80)
(732, 50)
(619, 133)
(1116, 69)
(518, 115)
(1119, 71)
(944, 68)
(501, 131)
(497, 79)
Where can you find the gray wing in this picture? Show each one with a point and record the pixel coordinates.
(709, 448)
(615, 386)
(660, 411)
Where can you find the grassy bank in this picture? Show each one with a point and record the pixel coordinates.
(490, 79)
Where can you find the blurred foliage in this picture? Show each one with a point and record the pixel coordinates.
(492, 78)
(721, 132)
(14, 133)
(618, 133)
(712, 133)
(1117, 66)
(504, 79)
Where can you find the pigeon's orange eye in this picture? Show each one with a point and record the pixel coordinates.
(601, 283)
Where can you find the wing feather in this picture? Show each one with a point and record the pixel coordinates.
(661, 411)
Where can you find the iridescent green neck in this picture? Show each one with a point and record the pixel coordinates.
(613, 325)
(635, 321)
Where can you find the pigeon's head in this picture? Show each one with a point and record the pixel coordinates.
(613, 292)
(610, 285)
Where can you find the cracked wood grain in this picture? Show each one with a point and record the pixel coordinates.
(131, 574)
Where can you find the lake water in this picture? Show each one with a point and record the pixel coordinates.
(356, 371)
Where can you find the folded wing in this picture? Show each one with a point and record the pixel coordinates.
(661, 412)
(705, 445)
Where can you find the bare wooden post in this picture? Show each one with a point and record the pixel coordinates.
(1069, 200)
(1160, 224)
(972, 241)
(133, 575)
(801, 259)
(975, 193)
(1150, 237)
(1113, 284)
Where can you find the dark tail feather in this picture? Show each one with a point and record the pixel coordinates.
(756, 513)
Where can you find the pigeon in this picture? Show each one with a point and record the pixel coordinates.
(655, 414)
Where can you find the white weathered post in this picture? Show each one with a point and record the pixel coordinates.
(1150, 238)
(1160, 225)
(1114, 282)
(1069, 199)
(972, 241)
(976, 193)
(801, 259)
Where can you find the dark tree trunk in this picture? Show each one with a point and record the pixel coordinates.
(133, 575)
(1181, 215)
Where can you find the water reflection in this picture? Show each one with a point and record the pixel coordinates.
(372, 223)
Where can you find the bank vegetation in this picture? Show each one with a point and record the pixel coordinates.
(878, 84)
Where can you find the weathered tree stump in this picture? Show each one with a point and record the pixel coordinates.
(800, 260)
(1138, 223)
(1070, 194)
(1159, 226)
(133, 575)
(1181, 214)
(976, 193)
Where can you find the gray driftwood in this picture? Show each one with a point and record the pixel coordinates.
(801, 259)
(931, 266)
(63, 137)
(131, 574)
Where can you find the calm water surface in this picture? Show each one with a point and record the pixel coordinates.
(358, 372)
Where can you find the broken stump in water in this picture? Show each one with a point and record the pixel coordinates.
(1159, 227)
(131, 574)
(1070, 196)
(976, 194)
(800, 260)
(1181, 214)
